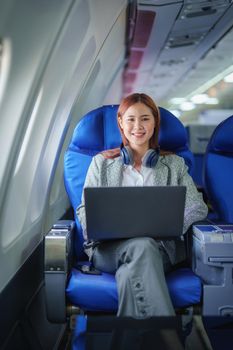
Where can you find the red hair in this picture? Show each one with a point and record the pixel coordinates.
(147, 101)
(125, 104)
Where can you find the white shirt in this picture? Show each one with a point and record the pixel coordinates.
(132, 177)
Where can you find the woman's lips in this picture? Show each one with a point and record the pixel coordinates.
(138, 134)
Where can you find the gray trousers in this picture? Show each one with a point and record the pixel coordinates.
(139, 265)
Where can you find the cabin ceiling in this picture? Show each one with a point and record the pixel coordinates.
(175, 49)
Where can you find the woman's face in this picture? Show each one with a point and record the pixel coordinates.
(138, 124)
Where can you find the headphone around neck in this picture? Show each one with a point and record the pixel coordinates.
(150, 159)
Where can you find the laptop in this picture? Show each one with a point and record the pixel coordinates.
(126, 212)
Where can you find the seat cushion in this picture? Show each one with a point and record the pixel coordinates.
(185, 287)
(99, 292)
(92, 292)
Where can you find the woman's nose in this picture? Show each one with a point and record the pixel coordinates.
(138, 123)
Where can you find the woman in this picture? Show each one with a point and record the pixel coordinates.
(140, 264)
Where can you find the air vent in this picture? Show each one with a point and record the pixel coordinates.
(200, 8)
(171, 62)
(205, 11)
(184, 40)
(161, 75)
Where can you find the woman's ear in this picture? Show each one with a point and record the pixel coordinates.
(120, 123)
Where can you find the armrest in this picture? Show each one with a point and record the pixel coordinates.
(188, 238)
(58, 257)
(213, 263)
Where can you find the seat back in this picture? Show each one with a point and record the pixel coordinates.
(218, 170)
(98, 131)
(199, 136)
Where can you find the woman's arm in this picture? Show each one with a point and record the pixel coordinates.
(195, 207)
(92, 180)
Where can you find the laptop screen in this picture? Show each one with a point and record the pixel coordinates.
(125, 212)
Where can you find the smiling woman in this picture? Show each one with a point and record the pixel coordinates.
(62, 60)
(138, 126)
(136, 261)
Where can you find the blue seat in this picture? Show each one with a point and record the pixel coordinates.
(98, 131)
(218, 184)
(199, 136)
(218, 170)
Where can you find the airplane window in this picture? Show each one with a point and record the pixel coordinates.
(26, 139)
(0, 52)
(5, 58)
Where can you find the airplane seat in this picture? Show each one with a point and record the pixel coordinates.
(218, 170)
(214, 262)
(198, 138)
(101, 127)
(98, 131)
(95, 132)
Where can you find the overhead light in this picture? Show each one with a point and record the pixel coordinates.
(228, 78)
(204, 99)
(177, 100)
(187, 106)
(212, 101)
(200, 98)
(206, 86)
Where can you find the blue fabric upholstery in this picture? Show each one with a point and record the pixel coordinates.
(79, 333)
(198, 138)
(198, 169)
(95, 132)
(218, 170)
(173, 137)
(93, 292)
(183, 285)
(184, 288)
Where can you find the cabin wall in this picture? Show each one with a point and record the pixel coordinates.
(63, 58)
(102, 86)
(66, 61)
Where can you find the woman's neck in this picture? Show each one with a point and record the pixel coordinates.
(137, 157)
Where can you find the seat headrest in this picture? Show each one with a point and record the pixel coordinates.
(98, 131)
(222, 138)
(173, 135)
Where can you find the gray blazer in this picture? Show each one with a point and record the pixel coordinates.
(169, 170)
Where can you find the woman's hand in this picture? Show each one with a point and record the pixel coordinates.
(111, 153)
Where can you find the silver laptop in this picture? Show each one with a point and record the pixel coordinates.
(125, 212)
